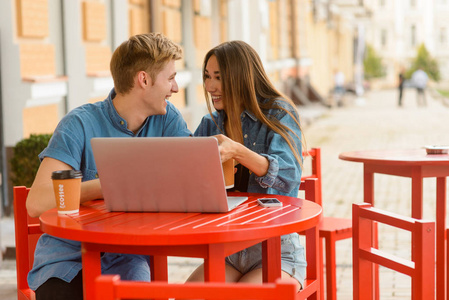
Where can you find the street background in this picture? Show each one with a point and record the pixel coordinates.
(373, 121)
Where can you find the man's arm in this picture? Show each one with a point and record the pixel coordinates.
(41, 196)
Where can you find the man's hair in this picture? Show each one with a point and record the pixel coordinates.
(148, 52)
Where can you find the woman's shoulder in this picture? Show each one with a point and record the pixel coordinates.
(210, 117)
(281, 106)
(208, 124)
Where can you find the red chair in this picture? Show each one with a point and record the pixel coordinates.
(365, 255)
(110, 287)
(27, 232)
(447, 266)
(331, 229)
(313, 283)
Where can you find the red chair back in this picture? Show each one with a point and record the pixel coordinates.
(312, 282)
(421, 268)
(110, 287)
(27, 232)
(315, 155)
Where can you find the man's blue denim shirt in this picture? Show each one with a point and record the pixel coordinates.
(70, 143)
(284, 173)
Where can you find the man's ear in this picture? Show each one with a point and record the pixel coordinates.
(143, 79)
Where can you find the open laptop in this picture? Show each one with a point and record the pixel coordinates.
(162, 174)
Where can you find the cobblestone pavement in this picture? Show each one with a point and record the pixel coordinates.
(372, 122)
(376, 122)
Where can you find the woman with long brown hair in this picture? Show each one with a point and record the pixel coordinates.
(259, 128)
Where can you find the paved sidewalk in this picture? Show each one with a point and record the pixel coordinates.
(373, 123)
(376, 123)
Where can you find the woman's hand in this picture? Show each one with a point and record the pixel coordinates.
(227, 147)
(256, 163)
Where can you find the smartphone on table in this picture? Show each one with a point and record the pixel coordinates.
(269, 202)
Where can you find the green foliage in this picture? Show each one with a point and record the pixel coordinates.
(445, 93)
(424, 61)
(25, 161)
(372, 64)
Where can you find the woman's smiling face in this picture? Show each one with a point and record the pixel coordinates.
(212, 82)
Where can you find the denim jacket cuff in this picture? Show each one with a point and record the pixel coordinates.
(268, 179)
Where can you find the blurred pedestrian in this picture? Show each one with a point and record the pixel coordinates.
(401, 86)
(339, 88)
(419, 79)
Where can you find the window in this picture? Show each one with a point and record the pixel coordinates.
(383, 38)
(413, 35)
(382, 3)
(443, 36)
(412, 3)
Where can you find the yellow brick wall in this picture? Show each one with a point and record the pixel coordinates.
(200, 94)
(94, 22)
(97, 60)
(37, 56)
(223, 20)
(139, 16)
(37, 60)
(170, 25)
(40, 119)
(179, 99)
(32, 18)
(274, 30)
(202, 27)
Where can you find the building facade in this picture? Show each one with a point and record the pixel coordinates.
(55, 53)
(397, 28)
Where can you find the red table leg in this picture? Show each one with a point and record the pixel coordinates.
(159, 268)
(214, 264)
(91, 261)
(441, 238)
(368, 186)
(314, 260)
(368, 197)
(417, 193)
(271, 259)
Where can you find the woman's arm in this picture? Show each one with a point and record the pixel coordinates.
(256, 163)
(41, 196)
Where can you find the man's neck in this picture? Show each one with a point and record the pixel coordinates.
(128, 108)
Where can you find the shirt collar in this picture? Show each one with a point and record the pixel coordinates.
(221, 115)
(116, 119)
(250, 114)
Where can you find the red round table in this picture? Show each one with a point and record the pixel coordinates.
(208, 236)
(416, 164)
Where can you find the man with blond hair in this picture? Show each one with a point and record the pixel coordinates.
(143, 69)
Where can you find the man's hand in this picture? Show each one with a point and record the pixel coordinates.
(41, 196)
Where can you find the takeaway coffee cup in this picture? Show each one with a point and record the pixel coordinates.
(228, 173)
(67, 188)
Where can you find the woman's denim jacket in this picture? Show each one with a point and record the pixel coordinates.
(284, 173)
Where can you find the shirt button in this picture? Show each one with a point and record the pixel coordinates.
(122, 123)
(96, 175)
(245, 136)
(254, 144)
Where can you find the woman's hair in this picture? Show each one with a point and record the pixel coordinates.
(246, 86)
(148, 52)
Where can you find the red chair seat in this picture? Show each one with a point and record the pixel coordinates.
(330, 229)
(27, 232)
(111, 287)
(340, 226)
